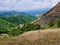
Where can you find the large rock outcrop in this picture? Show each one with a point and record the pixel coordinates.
(51, 15)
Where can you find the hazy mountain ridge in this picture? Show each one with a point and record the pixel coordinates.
(11, 13)
(39, 11)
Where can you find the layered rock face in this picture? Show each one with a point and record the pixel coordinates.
(51, 15)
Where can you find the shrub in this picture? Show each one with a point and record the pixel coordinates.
(29, 27)
(36, 27)
(51, 24)
(14, 32)
(58, 23)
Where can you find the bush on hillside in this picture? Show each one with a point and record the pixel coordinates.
(58, 23)
(29, 27)
(14, 32)
(51, 24)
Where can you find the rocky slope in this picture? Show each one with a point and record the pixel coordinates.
(51, 15)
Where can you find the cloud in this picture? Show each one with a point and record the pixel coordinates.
(26, 4)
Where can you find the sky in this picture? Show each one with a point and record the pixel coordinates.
(24, 5)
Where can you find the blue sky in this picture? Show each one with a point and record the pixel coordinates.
(27, 4)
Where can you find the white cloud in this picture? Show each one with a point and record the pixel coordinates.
(27, 4)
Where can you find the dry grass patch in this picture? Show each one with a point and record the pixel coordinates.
(39, 37)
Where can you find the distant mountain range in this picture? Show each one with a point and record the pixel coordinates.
(34, 12)
(30, 12)
(12, 13)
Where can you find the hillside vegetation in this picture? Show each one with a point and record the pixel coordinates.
(5, 26)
